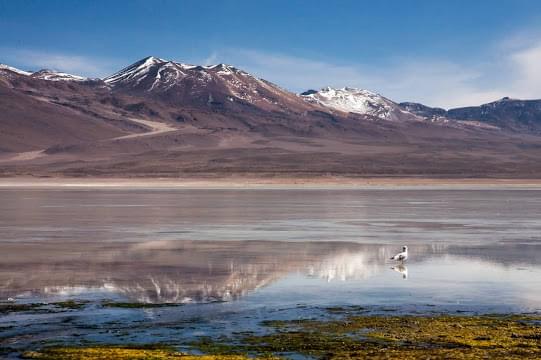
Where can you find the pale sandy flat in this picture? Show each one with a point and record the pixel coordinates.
(329, 182)
(27, 155)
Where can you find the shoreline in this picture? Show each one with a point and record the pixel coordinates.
(264, 183)
(344, 333)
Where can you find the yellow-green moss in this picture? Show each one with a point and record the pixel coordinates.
(396, 337)
(119, 353)
(406, 337)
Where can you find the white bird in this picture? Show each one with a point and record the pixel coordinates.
(403, 256)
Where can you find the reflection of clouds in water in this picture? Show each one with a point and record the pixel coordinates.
(346, 266)
(67, 290)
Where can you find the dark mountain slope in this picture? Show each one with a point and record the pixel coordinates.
(31, 124)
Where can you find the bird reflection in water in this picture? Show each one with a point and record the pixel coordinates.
(403, 269)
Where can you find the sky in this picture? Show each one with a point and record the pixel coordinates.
(441, 53)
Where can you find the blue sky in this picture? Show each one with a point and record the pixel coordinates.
(443, 53)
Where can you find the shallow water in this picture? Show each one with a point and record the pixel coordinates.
(236, 257)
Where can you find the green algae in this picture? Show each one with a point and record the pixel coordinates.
(345, 309)
(6, 308)
(10, 308)
(137, 305)
(69, 304)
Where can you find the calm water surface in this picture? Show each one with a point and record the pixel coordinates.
(235, 257)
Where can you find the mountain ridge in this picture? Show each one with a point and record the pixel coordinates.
(366, 105)
(157, 117)
(506, 113)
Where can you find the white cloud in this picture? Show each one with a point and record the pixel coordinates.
(437, 83)
(76, 64)
(526, 64)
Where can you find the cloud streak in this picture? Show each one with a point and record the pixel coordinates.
(293, 73)
(34, 60)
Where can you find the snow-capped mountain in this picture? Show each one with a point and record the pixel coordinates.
(46, 74)
(214, 85)
(358, 101)
(165, 73)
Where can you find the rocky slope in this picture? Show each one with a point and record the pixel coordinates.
(516, 115)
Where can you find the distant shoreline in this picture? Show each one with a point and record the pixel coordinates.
(255, 183)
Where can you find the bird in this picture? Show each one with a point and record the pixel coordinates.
(403, 256)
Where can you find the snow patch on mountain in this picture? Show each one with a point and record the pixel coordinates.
(15, 70)
(52, 75)
(167, 75)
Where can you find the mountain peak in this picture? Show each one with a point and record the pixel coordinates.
(152, 58)
(137, 69)
(149, 60)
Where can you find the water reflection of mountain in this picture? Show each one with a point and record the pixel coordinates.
(184, 271)
(176, 271)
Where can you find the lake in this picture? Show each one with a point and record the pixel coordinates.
(232, 258)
